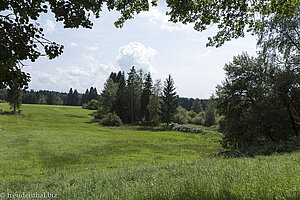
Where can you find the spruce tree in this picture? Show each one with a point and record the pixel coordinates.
(170, 101)
(14, 96)
(145, 98)
(121, 106)
(132, 94)
(75, 99)
(70, 97)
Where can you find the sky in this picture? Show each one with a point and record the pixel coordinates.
(148, 41)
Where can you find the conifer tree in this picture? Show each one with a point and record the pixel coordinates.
(70, 97)
(121, 103)
(14, 96)
(132, 94)
(75, 99)
(170, 101)
(145, 98)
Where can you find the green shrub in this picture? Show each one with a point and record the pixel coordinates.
(111, 119)
(100, 113)
(199, 119)
(91, 105)
(181, 116)
(184, 128)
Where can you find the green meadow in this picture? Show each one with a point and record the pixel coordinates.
(57, 149)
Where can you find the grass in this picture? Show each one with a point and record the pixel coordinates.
(56, 149)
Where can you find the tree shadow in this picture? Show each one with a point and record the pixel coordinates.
(152, 129)
(9, 113)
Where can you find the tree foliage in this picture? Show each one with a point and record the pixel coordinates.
(259, 102)
(170, 101)
(14, 96)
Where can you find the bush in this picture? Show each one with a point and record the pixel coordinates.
(184, 128)
(111, 119)
(91, 105)
(100, 113)
(181, 116)
(199, 119)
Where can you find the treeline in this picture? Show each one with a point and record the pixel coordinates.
(72, 98)
(78, 99)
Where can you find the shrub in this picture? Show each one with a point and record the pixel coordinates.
(181, 116)
(100, 113)
(91, 105)
(111, 119)
(199, 119)
(184, 128)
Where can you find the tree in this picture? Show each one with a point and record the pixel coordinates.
(232, 18)
(120, 106)
(75, 98)
(145, 99)
(70, 97)
(259, 101)
(170, 101)
(155, 101)
(85, 97)
(210, 113)
(197, 106)
(14, 96)
(108, 95)
(133, 95)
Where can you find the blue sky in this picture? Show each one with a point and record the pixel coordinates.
(148, 41)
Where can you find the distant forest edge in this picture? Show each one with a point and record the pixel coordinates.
(73, 98)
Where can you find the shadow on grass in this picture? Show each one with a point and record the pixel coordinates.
(9, 113)
(151, 129)
(51, 160)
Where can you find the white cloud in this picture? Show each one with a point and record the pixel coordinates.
(73, 44)
(136, 54)
(92, 48)
(158, 17)
(206, 53)
(50, 26)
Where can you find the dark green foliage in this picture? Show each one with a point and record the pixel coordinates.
(187, 103)
(266, 149)
(14, 97)
(73, 98)
(145, 99)
(91, 105)
(210, 113)
(134, 94)
(259, 102)
(197, 106)
(121, 102)
(111, 119)
(169, 101)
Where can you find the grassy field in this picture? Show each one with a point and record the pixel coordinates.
(56, 149)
